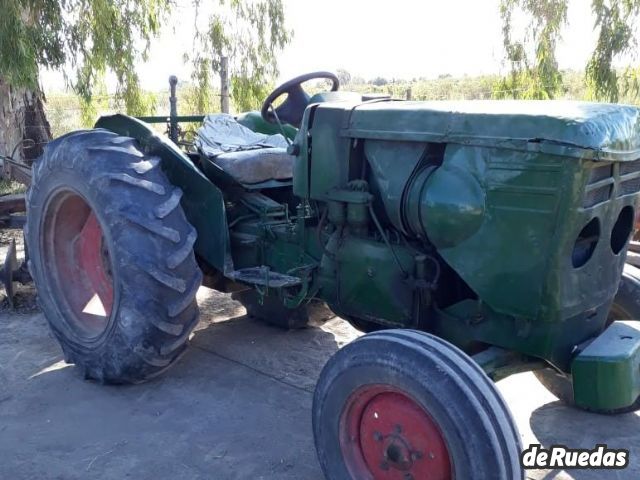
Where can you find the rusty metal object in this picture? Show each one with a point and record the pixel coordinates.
(15, 170)
(13, 272)
(16, 222)
(10, 205)
(19, 172)
(13, 203)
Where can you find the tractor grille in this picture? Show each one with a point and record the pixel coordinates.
(629, 178)
(602, 179)
(629, 186)
(600, 173)
(629, 167)
(596, 196)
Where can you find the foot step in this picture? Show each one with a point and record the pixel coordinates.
(264, 276)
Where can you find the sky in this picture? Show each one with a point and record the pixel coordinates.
(410, 38)
(400, 39)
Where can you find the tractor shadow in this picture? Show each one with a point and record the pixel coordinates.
(237, 403)
(556, 424)
(293, 357)
(229, 406)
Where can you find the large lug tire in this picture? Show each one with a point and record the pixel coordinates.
(406, 404)
(626, 306)
(111, 256)
(273, 312)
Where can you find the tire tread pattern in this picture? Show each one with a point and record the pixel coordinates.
(158, 277)
(478, 404)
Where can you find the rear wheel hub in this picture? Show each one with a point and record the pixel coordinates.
(79, 264)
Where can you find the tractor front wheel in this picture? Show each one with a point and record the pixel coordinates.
(403, 404)
(111, 256)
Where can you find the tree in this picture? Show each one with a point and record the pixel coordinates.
(87, 38)
(250, 33)
(532, 57)
(379, 81)
(344, 76)
(83, 38)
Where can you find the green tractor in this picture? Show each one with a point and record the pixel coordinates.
(472, 240)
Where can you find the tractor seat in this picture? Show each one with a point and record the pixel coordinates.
(247, 156)
(257, 165)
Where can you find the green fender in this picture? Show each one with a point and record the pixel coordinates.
(202, 201)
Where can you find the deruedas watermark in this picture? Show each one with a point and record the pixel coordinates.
(561, 456)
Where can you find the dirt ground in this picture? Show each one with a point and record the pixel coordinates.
(236, 406)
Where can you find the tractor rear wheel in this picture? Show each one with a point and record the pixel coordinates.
(111, 256)
(403, 404)
(272, 311)
(626, 306)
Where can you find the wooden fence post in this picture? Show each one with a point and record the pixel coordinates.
(224, 84)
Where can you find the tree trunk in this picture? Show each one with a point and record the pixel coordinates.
(22, 117)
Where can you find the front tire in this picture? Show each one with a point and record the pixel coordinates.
(111, 256)
(406, 404)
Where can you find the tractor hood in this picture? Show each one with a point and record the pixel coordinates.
(595, 131)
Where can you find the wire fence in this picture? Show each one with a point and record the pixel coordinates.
(66, 113)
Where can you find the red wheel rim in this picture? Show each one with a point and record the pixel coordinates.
(77, 264)
(386, 435)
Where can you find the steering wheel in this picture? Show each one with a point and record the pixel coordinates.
(292, 110)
